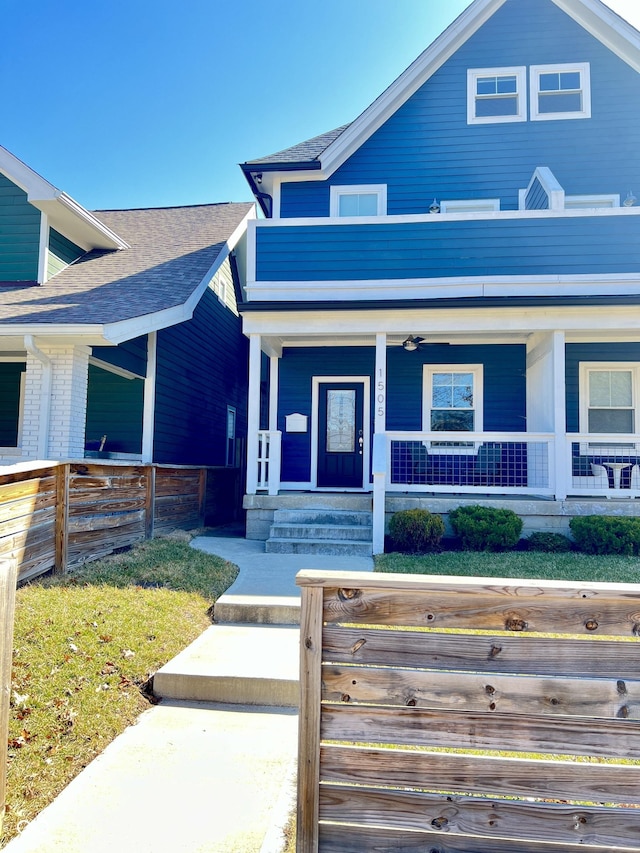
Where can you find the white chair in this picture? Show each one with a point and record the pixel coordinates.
(635, 477)
(600, 476)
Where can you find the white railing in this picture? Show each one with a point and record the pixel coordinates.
(603, 464)
(268, 460)
(476, 462)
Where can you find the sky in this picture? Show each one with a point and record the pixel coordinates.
(149, 103)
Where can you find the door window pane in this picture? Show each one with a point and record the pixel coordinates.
(341, 420)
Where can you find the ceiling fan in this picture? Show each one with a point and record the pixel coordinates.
(412, 343)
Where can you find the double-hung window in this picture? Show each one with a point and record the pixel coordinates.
(560, 91)
(609, 394)
(496, 95)
(452, 403)
(361, 200)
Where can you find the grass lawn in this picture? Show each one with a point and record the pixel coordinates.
(85, 646)
(572, 566)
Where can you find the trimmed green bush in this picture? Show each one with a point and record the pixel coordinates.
(606, 534)
(552, 543)
(416, 530)
(484, 528)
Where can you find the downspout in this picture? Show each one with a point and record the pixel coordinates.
(45, 395)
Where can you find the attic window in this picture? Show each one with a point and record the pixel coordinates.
(560, 91)
(496, 95)
(361, 200)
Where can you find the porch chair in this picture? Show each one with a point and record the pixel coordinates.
(634, 478)
(600, 476)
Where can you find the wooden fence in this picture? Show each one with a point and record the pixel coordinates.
(450, 715)
(60, 515)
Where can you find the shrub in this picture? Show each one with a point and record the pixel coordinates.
(552, 543)
(606, 534)
(416, 530)
(483, 528)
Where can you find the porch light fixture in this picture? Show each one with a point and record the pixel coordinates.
(411, 344)
(258, 178)
(435, 207)
(630, 200)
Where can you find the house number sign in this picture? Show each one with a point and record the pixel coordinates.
(381, 393)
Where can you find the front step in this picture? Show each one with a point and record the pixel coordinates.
(320, 531)
(236, 664)
(257, 610)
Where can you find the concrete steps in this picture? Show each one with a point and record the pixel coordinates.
(320, 531)
(248, 657)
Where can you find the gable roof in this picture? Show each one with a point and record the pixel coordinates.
(155, 283)
(329, 152)
(64, 213)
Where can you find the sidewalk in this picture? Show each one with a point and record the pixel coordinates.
(191, 777)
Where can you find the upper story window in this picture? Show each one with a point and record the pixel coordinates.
(363, 200)
(480, 205)
(587, 202)
(560, 91)
(496, 95)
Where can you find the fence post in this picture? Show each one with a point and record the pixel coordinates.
(63, 475)
(150, 501)
(8, 581)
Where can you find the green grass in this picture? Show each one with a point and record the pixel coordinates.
(515, 564)
(85, 646)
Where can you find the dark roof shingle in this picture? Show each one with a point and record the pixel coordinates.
(304, 152)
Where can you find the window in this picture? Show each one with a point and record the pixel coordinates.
(453, 402)
(496, 95)
(608, 397)
(560, 91)
(583, 202)
(470, 205)
(231, 437)
(12, 380)
(365, 200)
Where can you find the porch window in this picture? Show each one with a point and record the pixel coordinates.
(453, 402)
(611, 405)
(361, 200)
(12, 381)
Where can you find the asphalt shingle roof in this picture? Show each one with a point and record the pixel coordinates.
(303, 152)
(171, 251)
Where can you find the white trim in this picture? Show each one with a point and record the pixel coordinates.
(16, 449)
(43, 251)
(316, 381)
(551, 186)
(113, 368)
(149, 399)
(478, 402)
(229, 438)
(473, 75)
(605, 201)
(336, 192)
(582, 68)
(475, 205)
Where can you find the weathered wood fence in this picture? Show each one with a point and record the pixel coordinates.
(59, 515)
(414, 688)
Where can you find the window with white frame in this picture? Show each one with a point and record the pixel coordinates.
(560, 91)
(12, 387)
(496, 95)
(608, 394)
(231, 437)
(452, 398)
(481, 205)
(362, 200)
(585, 202)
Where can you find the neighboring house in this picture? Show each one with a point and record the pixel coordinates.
(448, 289)
(119, 330)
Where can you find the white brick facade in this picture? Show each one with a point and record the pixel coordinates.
(67, 403)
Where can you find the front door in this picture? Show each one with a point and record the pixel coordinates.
(340, 434)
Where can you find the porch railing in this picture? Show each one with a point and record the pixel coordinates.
(269, 455)
(603, 464)
(487, 462)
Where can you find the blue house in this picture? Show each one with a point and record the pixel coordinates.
(443, 299)
(120, 335)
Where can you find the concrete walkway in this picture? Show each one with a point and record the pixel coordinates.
(191, 777)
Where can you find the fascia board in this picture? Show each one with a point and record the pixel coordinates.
(606, 26)
(407, 84)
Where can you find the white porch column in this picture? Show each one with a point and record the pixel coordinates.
(253, 413)
(148, 419)
(546, 400)
(379, 456)
(274, 384)
(55, 403)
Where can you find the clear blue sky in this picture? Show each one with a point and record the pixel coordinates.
(135, 103)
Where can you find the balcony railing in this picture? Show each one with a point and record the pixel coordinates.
(487, 462)
(606, 464)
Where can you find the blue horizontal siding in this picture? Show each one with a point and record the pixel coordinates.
(537, 198)
(19, 234)
(426, 149)
(572, 245)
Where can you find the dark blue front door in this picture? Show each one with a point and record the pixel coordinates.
(340, 436)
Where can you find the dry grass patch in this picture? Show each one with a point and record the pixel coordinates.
(85, 646)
